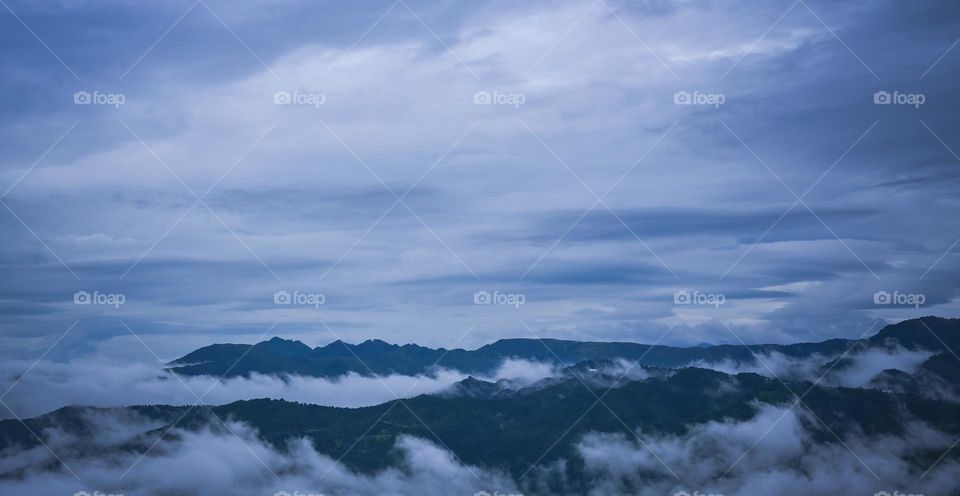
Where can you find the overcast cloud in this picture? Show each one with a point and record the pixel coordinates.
(787, 461)
(199, 197)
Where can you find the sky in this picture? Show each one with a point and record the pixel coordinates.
(177, 174)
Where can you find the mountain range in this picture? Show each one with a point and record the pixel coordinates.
(375, 357)
(528, 430)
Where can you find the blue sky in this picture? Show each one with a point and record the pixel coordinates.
(434, 150)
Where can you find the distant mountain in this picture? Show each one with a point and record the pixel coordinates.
(284, 357)
(510, 426)
(490, 425)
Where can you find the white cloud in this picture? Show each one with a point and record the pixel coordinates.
(863, 365)
(786, 461)
(208, 462)
(51, 385)
(720, 457)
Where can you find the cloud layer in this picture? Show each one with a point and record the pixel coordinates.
(49, 386)
(856, 369)
(717, 457)
(495, 197)
(727, 458)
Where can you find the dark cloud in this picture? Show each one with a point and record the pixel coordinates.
(305, 207)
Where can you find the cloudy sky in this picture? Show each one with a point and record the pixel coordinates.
(606, 170)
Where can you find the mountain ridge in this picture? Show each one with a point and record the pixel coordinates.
(377, 357)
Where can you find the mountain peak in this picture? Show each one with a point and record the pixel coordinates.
(288, 347)
(375, 346)
(931, 333)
